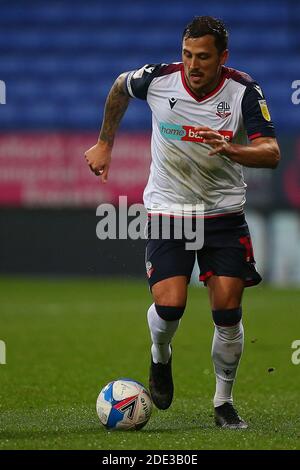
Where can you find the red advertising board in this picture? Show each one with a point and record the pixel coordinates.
(43, 169)
(49, 169)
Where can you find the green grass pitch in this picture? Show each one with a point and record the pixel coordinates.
(65, 339)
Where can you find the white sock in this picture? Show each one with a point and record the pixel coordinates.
(227, 349)
(162, 333)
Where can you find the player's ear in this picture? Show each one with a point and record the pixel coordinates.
(224, 57)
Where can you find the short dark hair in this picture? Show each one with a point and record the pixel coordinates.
(202, 25)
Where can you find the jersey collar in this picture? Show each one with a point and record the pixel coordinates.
(205, 97)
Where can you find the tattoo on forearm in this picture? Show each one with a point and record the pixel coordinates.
(115, 107)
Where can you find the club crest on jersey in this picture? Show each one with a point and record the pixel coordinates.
(264, 110)
(223, 110)
(149, 269)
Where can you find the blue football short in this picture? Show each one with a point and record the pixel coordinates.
(227, 251)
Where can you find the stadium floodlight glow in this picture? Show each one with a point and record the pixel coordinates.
(2, 92)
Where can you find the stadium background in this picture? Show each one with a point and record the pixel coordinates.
(58, 60)
(72, 307)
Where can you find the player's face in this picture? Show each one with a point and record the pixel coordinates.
(202, 63)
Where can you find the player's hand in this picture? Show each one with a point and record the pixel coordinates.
(216, 140)
(98, 158)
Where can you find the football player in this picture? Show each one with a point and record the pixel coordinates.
(209, 121)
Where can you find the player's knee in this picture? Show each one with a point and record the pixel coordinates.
(227, 317)
(169, 297)
(170, 292)
(169, 313)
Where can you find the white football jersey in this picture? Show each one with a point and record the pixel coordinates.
(181, 171)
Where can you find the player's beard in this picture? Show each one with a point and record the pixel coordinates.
(201, 85)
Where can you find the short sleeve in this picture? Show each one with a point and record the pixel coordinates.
(256, 116)
(138, 81)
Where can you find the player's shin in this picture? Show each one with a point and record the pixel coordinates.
(162, 332)
(227, 349)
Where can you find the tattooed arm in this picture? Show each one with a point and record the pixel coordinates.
(98, 157)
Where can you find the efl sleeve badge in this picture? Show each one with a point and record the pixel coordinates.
(264, 110)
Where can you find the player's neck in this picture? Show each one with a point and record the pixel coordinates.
(206, 90)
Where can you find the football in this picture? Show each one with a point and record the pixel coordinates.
(124, 404)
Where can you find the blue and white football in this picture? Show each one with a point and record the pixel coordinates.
(124, 404)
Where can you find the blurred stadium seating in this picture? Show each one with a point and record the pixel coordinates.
(59, 59)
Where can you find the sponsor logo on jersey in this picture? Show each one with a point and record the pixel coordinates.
(186, 133)
(264, 110)
(223, 110)
(172, 102)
